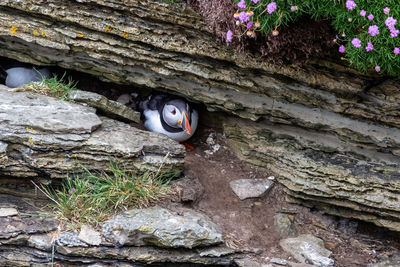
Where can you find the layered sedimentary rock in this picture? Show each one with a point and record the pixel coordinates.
(41, 136)
(29, 239)
(161, 227)
(353, 180)
(331, 134)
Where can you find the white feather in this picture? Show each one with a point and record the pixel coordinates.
(19, 76)
(153, 123)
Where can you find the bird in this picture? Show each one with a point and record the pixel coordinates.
(169, 115)
(18, 76)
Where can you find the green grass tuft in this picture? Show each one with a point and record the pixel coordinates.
(93, 198)
(55, 87)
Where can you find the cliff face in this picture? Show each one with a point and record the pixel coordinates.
(331, 134)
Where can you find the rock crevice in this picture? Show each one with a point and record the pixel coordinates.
(43, 136)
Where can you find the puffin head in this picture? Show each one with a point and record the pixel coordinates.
(176, 113)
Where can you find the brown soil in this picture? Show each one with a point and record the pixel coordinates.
(249, 224)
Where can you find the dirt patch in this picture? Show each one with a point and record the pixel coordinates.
(249, 223)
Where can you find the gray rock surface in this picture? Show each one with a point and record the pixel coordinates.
(70, 239)
(308, 249)
(284, 224)
(12, 227)
(109, 107)
(282, 262)
(43, 136)
(4, 212)
(161, 227)
(248, 262)
(250, 188)
(393, 261)
(90, 236)
(279, 261)
(344, 176)
(216, 251)
(39, 241)
(42, 241)
(188, 189)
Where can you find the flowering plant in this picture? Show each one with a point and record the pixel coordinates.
(367, 30)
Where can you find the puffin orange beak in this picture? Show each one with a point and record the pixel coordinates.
(186, 124)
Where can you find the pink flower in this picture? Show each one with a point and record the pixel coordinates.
(377, 68)
(229, 36)
(350, 4)
(363, 13)
(294, 8)
(369, 47)
(271, 7)
(342, 49)
(394, 33)
(356, 42)
(390, 22)
(396, 51)
(373, 30)
(386, 10)
(243, 17)
(241, 4)
(249, 25)
(370, 17)
(255, 1)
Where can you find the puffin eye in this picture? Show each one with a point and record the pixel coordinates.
(173, 111)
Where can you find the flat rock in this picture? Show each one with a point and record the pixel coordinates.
(70, 239)
(250, 188)
(89, 236)
(279, 261)
(189, 189)
(14, 225)
(4, 212)
(216, 251)
(284, 224)
(161, 227)
(393, 261)
(247, 262)
(282, 262)
(41, 241)
(307, 249)
(142, 255)
(102, 103)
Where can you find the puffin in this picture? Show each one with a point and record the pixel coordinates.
(17, 76)
(169, 115)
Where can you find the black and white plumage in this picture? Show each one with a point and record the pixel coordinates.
(169, 115)
(17, 76)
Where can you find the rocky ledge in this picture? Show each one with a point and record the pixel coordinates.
(28, 239)
(44, 137)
